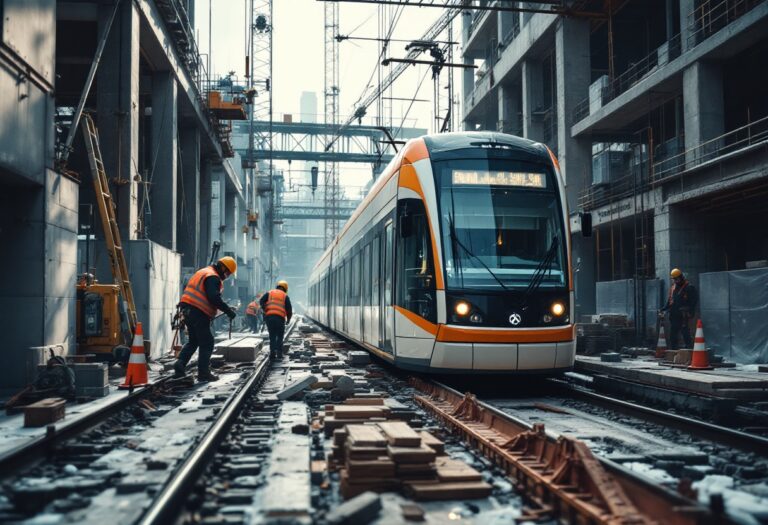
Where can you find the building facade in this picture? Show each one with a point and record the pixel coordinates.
(657, 113)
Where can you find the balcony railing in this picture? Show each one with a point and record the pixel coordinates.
(733, 141)
(634, 74)
(713, 15)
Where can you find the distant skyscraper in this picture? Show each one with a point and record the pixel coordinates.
(308, 106)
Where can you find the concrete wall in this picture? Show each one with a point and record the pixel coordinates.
(155, 274)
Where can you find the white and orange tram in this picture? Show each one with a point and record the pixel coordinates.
(458, 260)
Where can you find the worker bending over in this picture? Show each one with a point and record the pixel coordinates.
(277, 313)
(252, 315)
(199, 302)
(681, 305)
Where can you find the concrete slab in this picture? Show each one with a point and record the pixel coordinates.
(735, 383)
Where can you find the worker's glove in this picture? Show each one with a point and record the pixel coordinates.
(231, 314)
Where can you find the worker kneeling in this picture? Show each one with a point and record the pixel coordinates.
(199, 302)
(277, 313)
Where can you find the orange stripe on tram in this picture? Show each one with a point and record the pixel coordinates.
(453, 334)
(418, 320)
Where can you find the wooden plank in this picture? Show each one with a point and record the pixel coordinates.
(364, 453)
(358, 412)
(400, 434)
(432, 442)
(422, 454)
(365, 436)
(364, 401)
(447, 491)
(375, 468)
(452, 470)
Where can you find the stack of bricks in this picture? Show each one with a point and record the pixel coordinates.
(383, 455)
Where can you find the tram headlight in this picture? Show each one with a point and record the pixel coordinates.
(557, 309)
(462, 308)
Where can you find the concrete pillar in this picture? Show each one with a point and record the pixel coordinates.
(117, 99)
(679, 242)
(687, 27)
(509, 109)
(163, 167)
(703, 108)
(206, 209)
(189, 201)
(533, 95)
(572, 63)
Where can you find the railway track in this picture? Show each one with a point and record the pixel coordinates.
(75, 470)
(702, 429)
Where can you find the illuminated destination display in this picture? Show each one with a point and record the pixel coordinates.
(500, 178)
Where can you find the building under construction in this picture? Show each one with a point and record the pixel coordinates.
(657, 113)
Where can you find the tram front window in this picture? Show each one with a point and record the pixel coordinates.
(501, 223)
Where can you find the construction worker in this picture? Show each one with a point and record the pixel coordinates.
(277, 313)
(252, 315)
(199, 302)
(681, 305)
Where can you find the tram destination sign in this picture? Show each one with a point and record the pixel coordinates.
(499, 178)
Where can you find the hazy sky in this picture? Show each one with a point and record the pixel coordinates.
(298, 50)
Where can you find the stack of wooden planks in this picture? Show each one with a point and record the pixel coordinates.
(383, 455)
(354, 411)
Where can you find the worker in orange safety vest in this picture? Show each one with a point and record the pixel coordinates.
(277, 309)
(681, 305)
(253, 315)
(199, 302)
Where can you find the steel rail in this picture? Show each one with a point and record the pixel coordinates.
(710, 431)
(165, 506)
(39, 448)
(560, 474)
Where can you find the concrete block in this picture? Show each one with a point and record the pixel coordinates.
(90, 379)
(359, 510)
(610, 357)
(296, 387)
(358, 358)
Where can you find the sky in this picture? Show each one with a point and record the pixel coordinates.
(298, 58)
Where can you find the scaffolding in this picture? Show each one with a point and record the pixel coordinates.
(331, 99)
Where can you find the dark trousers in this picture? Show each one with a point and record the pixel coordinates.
(678, 326)
(253, 323)
(276, 328)
(200, 336)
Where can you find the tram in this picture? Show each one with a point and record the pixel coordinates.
(457, 261)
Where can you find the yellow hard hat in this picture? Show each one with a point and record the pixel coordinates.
(283, 285)
(229, 263)
(675, 273)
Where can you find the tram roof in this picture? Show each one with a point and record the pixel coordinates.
(482, 144)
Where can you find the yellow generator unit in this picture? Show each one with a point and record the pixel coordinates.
(99, 328)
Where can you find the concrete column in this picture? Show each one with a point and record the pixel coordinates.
(509, 109)
(206, 209)
(163, 167)
(572, 69)
(117, 99)
(189, 201)
(703, 108)
(679, 242)
(533, 94)
(687, 27)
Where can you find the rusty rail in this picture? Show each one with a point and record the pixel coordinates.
(559, 475)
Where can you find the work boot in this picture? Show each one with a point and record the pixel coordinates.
(179, 370)
(204, 377)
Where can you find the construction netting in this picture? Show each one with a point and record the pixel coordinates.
(734, 312)
(618, 297)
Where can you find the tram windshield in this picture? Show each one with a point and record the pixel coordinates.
(501, 225)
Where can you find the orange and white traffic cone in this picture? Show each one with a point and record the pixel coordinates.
(661, 345)
(700, 356)
(136, 374)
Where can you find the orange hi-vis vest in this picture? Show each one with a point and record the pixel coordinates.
(275, 303)
(252, 308)
(194, 293)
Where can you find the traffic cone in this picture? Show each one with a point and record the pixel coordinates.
(661, 345)
(700, 356)
(136, 375)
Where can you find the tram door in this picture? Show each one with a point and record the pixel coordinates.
(387, 308)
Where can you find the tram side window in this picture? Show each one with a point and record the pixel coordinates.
(415, 288)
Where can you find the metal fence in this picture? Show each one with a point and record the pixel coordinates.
(636, 72)
(713, 15)
(730, 142)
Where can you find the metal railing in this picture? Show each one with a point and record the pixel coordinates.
(730, 142)
(713, 15)
(639, 70)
